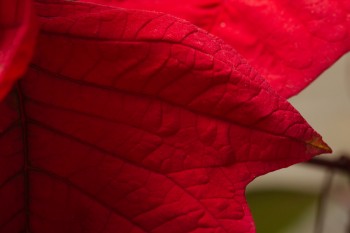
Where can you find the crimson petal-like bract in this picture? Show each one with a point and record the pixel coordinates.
(135, 121)
(290, 42)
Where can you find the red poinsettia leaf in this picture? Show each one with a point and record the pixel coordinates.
(289, 42)
(17, 38)
(133, 121)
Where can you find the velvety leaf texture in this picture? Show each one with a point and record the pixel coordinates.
(132, 121)
(17, 37)
(290, 42)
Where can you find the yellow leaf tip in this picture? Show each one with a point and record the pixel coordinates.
(317, 142)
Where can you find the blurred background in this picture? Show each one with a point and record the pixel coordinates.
(287, 201)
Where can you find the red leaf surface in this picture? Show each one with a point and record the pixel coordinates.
(132, 121)
(17, 38)
(290, 42)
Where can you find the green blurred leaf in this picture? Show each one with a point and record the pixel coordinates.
(276, 210)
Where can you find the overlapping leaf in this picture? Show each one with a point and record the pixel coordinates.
(17, 37)
(290, 42)
(133, 121)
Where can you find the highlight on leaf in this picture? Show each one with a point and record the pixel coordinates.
(290, 43)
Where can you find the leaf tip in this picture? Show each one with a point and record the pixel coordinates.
(319, 144)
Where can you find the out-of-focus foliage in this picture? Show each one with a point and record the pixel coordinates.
(276, 210)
